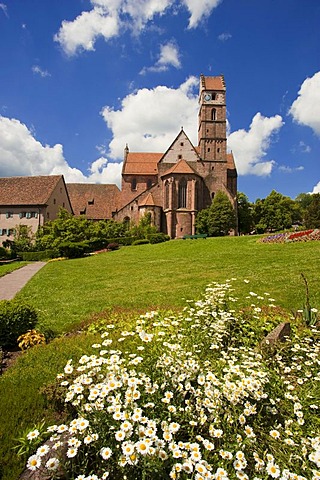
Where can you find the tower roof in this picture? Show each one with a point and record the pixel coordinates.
(212, 83)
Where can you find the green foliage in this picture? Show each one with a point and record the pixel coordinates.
(23, 238)
(38, 256)
(312, 213)
(218, 219)
(276, 212)
(144, 227)
(245, 214)
(4, 254)
(30, 339)
(157, 237)
(73, 249)
(16, 318)
(69, 228)
(141, 241)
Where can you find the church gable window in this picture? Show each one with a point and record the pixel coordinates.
(182, 193)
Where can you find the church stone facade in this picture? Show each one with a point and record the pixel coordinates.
(173, 186)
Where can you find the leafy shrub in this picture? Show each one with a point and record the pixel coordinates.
(141, 241)
(16, 318)
(30, 339)
(125, 241)
(158, 238)
(3, 253)
(38, 256)
(73, 249)
(113, 246)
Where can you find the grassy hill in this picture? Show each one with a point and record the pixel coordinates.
(132, 279)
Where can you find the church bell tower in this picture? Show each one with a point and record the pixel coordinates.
(212, 129)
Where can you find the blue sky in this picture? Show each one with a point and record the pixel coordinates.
(80, 79)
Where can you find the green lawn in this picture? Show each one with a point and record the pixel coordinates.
(10, 267)
(144, 277)
(163, 275)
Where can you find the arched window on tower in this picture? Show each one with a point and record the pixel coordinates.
(213, 114)
(182, 193)
(166, 194)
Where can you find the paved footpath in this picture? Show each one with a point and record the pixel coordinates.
(12, 283)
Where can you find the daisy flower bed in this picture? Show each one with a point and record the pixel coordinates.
(191, 395)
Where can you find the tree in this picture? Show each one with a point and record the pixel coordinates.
(218, 219)
(245, 214)
(144, 227)
(312, 216)
(275, 212)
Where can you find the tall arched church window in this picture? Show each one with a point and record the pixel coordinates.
(213, 114)
(182, 193)
(166, 194)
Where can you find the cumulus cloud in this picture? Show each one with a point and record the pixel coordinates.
(316, 188)
(39, 71)
(155, 117)
(169, 56)
(250, 147)
(200, 10)
(21, 154)
(305, 110)
(109, 18)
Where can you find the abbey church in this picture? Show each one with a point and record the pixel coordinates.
(173, 186)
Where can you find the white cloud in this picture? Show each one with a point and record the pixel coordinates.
(39, 71)
(223, 37)
(305, 110)
(4, 8)
(316, 188)
(200, 10)
(21, 154)
(155, 117)
(169, 56)
(287, 169)
(110, 18)
(250, 147)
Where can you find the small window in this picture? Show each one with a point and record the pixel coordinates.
(181, 144)
(134, 184)
(10, 232)
(48, 215)
(209, 149)
(9, 215)
(4, 231)
(149, 183)
(34, 214)
(213, 114)
(218, 150)
(131, 208)
(63, 204)
(54, 201)
(91, 202)
(179, 157)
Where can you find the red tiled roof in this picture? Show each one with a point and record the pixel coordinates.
(27, 190)
(143, 163)
(181, 167)
(148, 201)
(213, 83)
(95, 201)
(230, 161)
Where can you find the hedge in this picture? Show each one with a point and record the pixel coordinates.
(38, 256)
(16, 318)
